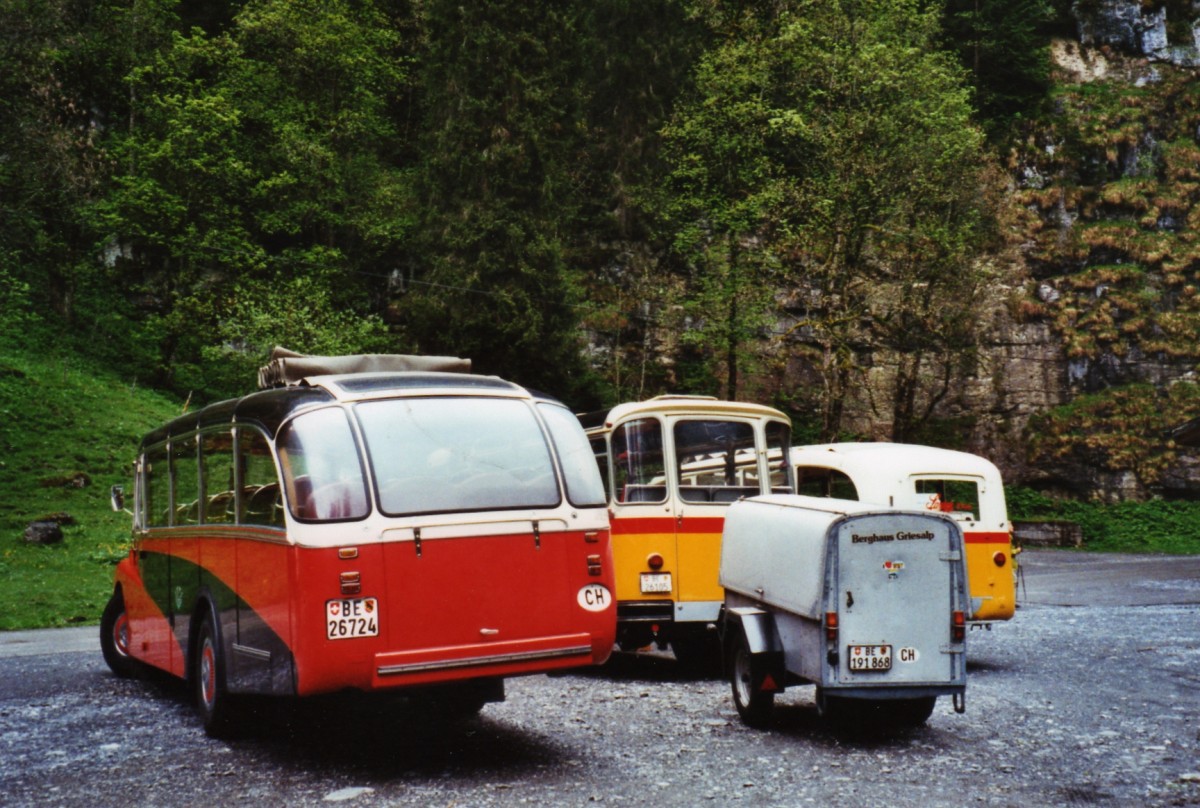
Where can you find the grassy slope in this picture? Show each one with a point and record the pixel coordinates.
(60, 417)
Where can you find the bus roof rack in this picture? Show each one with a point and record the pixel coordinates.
(289, 368)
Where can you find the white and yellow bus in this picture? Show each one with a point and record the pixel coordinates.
(671, 466)
(964, 486)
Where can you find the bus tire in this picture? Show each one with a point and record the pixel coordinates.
(699, 652)
(216, 707)
(114, 638)
(754, 705)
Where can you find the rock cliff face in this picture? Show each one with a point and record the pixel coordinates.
(1091, 339)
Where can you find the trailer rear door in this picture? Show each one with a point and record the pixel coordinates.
(897, 579)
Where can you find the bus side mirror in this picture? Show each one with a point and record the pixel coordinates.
(117, 496)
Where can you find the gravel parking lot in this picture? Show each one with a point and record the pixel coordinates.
(1066, 705)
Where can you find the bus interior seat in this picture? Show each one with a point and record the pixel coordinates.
(263, 505)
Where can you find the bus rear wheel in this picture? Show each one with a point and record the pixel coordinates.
(114, 638)
(216, 707)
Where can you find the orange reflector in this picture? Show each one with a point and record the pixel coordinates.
(347, 552)
(831, 626)
(351, 583)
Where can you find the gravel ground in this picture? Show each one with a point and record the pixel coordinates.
(1065, 706)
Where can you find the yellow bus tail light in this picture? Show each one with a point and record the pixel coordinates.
(999, 558)
(654, 561)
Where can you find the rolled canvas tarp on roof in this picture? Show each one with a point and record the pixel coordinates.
(288, 367)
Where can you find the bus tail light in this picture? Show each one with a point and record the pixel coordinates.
(351, 583)
(831, 626)
(958, 627)
(1000, 559)
(593, 565)
(654, 561)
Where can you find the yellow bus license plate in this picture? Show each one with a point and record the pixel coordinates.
(870, 658)
(348, 618)
(653, 582)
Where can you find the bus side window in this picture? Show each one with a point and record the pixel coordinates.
(261, 503)
(216, 460)
(185, 481)
(778, 440)
(600, 449)
(326, 480)
(157, 488)
(814, 481)
(638, 470)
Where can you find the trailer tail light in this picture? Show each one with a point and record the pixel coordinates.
(654, 561)
(831, 626)
(1000, 559)
(958, 627)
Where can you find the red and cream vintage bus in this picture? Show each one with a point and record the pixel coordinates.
(672, 466)
(400, 529)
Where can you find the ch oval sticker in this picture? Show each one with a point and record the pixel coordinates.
(594, 598)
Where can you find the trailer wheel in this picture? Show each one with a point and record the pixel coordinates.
(114, 638)
(216, 707)
(754, 705)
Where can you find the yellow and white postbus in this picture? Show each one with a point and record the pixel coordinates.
(671, 466)
(964, 486)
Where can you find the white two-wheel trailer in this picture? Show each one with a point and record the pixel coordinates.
(868, 604)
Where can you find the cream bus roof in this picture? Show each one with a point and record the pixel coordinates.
(288, 367)
(690, 405)
(882, 466)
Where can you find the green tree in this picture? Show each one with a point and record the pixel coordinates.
(834, 142)
(1005, 46)
(262, 153)
(61, 65)
(502, 142)
(725, 186)
(639, 56)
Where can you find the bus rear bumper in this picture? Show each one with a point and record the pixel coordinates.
(502, 658)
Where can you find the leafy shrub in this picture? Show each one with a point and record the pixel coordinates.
(1157, 526)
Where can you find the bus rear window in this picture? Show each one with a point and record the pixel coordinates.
(717, 461)
(434, 455)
